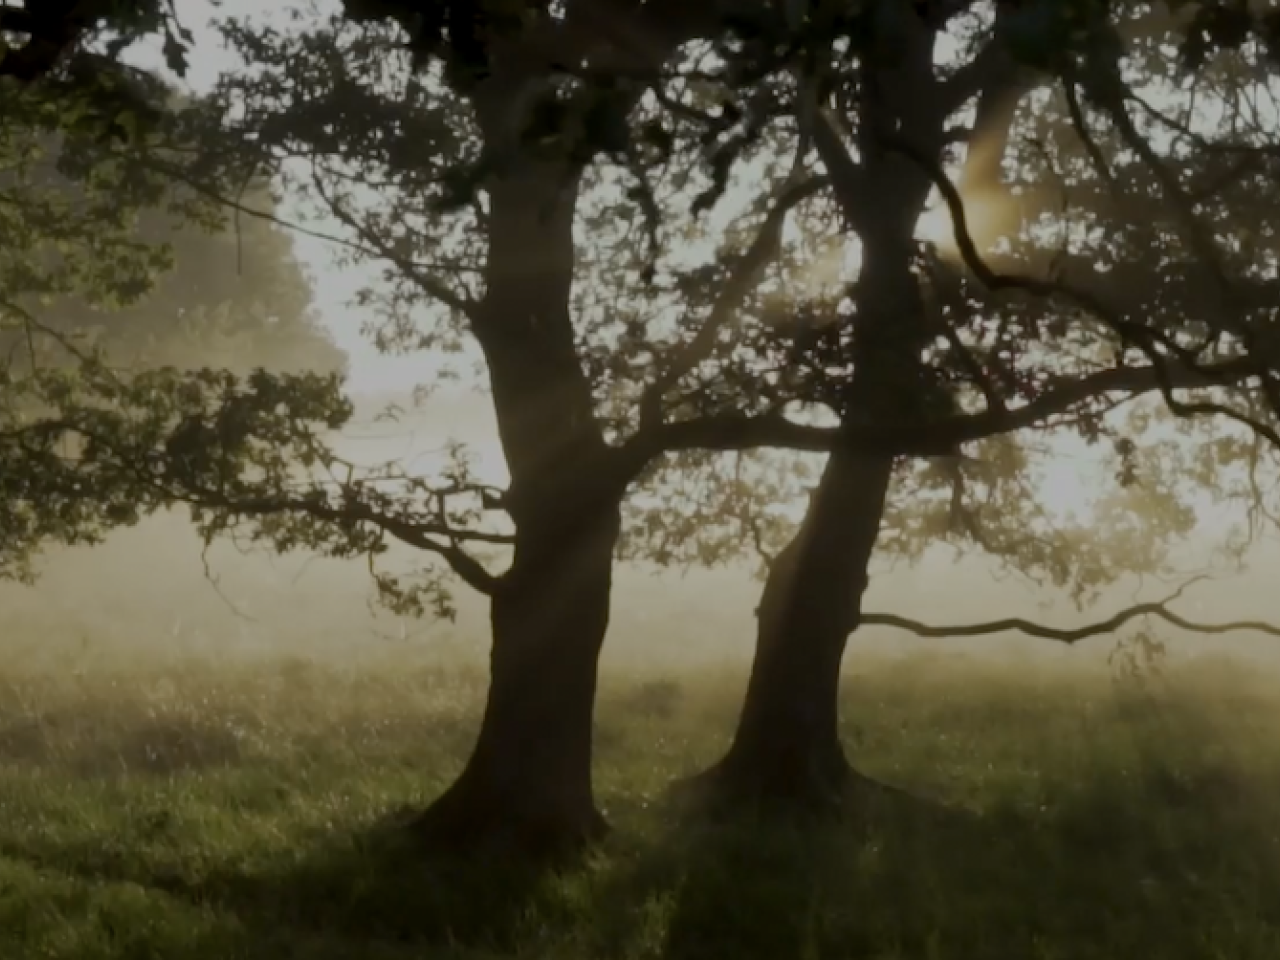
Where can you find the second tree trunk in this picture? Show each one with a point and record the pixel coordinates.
(787, 745)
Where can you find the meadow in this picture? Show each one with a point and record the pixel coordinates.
(190, 808)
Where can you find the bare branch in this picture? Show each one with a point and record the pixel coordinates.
(1069, 635)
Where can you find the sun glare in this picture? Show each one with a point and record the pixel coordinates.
(983, 216)
(934, 225)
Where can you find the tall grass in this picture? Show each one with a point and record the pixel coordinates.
(182, 808)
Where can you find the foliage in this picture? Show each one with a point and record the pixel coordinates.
(51, 32)
(83, 221)
(755, 324)
(1120, 273)
(236, 298)
(86, 449)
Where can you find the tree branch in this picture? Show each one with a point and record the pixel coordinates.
(742, 279)
(365, 246)
(422, 536)
(1157, 346)
(436, 536)
(432, 286)
(1159, 609)
(940, 437)
(846, 176)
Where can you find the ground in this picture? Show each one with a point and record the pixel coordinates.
(187, 812)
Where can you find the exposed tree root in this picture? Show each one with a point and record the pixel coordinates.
(835, 790)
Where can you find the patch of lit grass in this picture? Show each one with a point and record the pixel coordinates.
(191, 812)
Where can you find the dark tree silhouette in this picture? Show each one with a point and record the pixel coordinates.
(465, 163)
(1160, 306)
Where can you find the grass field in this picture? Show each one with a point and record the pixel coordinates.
(192, 811)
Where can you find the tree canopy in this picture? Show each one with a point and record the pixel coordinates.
(682, 231)
(108, 266)
(742, 331)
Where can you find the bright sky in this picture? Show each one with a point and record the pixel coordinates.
(335, 287)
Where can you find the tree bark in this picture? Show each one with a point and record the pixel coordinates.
(787, 749)
(528, 781)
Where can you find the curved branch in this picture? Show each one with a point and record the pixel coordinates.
(1159, 609)
(1157, 346)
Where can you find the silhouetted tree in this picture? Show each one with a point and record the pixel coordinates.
(1151, 274)
(46, 40)
(466, 168)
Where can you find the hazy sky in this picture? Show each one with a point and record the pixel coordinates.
(334, 286)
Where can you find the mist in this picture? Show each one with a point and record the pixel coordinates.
(154, 594)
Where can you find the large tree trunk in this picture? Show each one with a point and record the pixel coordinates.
(528, 780)
(787, 747)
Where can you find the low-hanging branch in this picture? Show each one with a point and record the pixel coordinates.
(1159, 609)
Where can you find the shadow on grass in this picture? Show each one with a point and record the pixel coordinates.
(1112, 869)
(376, 886)
(1105, 873)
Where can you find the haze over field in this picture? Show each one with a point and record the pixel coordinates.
(146, 591)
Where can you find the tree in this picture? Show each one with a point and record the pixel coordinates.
(235, 299)
(1178, 310)
(50, 33)
(70, 204)
(464, 169)
(464, 179)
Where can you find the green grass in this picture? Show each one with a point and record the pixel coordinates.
(233, 812)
